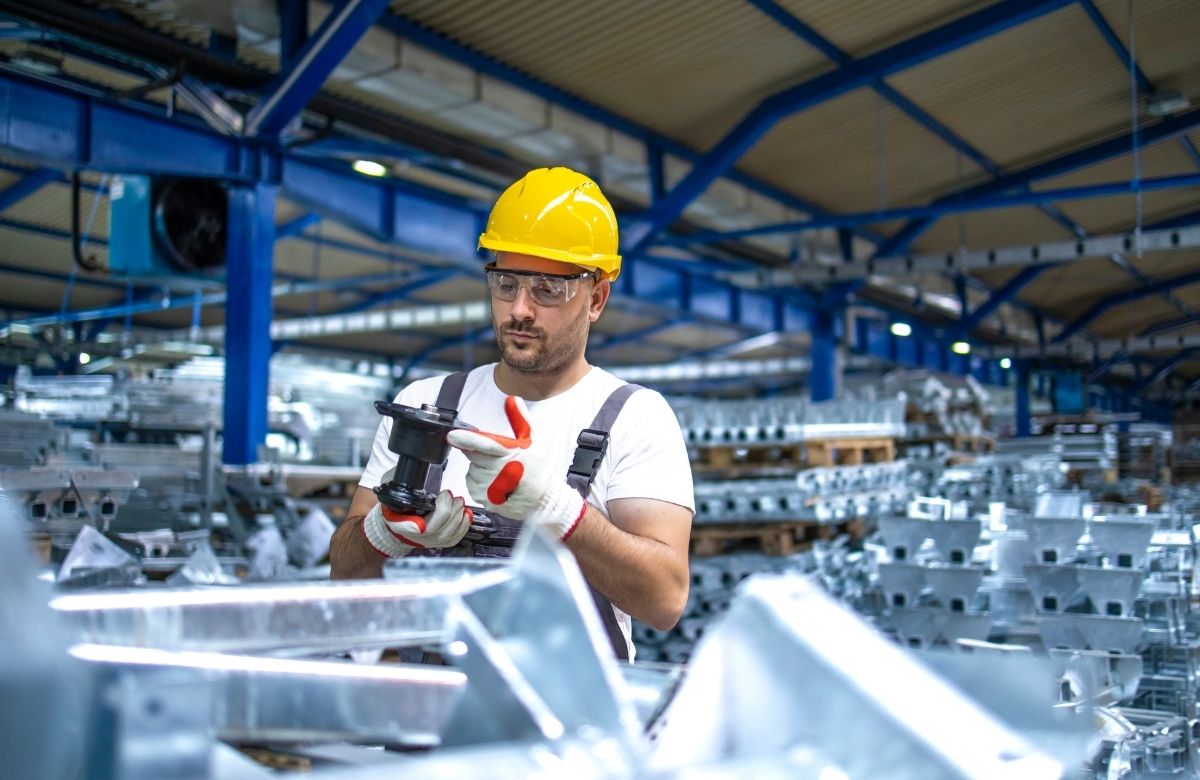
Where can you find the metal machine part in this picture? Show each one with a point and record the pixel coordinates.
(418, 438)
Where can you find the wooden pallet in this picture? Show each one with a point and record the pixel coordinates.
(815, 452)
(783, 538)
(957, 442)
(850, 452)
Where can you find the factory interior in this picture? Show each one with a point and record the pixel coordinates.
(899, 301)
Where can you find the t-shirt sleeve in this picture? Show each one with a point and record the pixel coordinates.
(652, 459)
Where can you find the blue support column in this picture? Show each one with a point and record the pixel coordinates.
(249, 270)
(826, 375)
(1023, 417)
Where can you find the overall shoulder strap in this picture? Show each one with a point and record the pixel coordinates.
(451, 392)
(593, 440)
(590, 448)
(448, 397)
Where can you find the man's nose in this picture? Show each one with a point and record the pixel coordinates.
(523, 305)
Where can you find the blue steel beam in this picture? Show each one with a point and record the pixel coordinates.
(26, 186)
(401, 292)
(154, 300)
(1102, 368)
(1006, 293)
(785, 19)
(63, 128)
(1160, 371)
(1180, 220)
(1081, 158)
(1145, 86)
(656, 144)
(322, 52)
(1170, 325)
(296, 227)
(1127, 296)
(935, 210)
(765, 115)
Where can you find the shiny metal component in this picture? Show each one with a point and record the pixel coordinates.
(538, 661)
(786, 647)
(1111, 592)
(1055, 539)
(826, 494)
(38, 684)
(931, 627)
(786, 420)
(1091, 632)
(268, 618)
(1122, 541)
(256, 699)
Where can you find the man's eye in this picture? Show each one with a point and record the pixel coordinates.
(506, 284)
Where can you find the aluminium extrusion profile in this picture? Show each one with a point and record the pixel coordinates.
(283, 618)
(279, 700)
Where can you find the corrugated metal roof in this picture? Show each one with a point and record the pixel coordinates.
(1133, 318)
(831, 155)
(862, 28)
(998, 227)
(1165, 37)
(1066, 291)
(686, 69)
(1019, 97)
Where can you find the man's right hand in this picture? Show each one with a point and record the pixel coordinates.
(395, 535)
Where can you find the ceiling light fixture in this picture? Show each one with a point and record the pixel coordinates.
(960, 348)
(901, 329)
(370, 168)
(1006, 363)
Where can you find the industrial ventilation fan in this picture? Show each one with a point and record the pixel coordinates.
(167, 226)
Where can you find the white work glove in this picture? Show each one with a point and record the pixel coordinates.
(509, 475)
(395, 535)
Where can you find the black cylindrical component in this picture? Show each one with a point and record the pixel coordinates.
(419, 440)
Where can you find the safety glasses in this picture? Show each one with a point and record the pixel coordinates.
(544, 289)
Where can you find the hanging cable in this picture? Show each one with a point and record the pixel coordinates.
(89, 263)
(1133, 112)
(880, 152)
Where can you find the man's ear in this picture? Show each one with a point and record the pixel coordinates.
(600, 292)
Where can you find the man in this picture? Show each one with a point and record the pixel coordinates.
(554, 236)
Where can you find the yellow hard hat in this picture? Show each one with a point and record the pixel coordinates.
(558, 214)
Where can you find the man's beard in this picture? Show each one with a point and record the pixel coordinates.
(544, 354)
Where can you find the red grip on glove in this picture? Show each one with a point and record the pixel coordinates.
(520, 438)
(506, 482)
(397, 517)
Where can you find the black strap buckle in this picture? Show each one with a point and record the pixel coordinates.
(589, 451)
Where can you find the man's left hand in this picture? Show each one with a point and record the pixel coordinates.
(511, 476)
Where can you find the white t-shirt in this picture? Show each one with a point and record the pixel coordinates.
(646, 457)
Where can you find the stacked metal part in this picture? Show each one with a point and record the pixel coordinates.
(939, 404)
(316, 415)
(825, 495)
(714, 580)
(1093, 449)
(786, 420)
(1015, 480)
(160, 681)
(1109, 596)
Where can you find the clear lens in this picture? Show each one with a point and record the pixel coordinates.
(545, 290)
